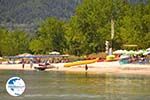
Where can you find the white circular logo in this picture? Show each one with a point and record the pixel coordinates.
(15, 86)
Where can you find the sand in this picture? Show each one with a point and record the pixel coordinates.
(15, 67)
(95, 68)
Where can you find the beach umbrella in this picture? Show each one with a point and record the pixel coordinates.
(146, 53)
(124, 56)
(25, 55)
(65, 55)
(148, 49)
(118, 52)
(131, 52)
(54, 53)
(140, 52)
(125, 52)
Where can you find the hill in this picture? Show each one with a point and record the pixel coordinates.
(31, 11)
(27, 14)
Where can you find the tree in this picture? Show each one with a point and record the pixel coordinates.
(50, 37)
(36, 46)
(13, 42)
(3, 31)
(74, 38)
(133, 25)
(91, 23)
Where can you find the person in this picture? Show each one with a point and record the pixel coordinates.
(86, 67)
(23, 63)
(31, 63)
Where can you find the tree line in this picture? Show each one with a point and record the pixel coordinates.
(86, 31)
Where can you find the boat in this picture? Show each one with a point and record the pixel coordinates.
(81, 62)
(42, 67)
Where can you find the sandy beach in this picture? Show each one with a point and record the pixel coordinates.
(94, 68)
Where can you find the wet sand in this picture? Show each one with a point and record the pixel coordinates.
(95, 68)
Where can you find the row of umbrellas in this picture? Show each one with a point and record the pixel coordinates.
(28, 55)
(131, 52)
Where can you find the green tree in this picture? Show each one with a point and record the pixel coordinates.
(3, 32)
(74, 38)
(133, 25)
(91, 24)
(13, 42)
(36, 46)
(50, 37)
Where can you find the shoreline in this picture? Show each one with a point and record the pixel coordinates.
(95, 68)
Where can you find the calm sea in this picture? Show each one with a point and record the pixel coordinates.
(62, 86)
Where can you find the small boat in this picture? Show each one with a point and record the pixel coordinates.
(42, 67)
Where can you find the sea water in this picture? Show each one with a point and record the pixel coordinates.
(41, 85)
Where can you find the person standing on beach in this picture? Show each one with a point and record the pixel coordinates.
(86, 67)
(31, 63)
(23, 63)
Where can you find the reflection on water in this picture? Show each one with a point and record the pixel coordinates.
(61, 86)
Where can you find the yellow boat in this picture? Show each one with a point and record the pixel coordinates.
(80, 62)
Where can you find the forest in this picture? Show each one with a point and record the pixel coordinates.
(86, 30)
